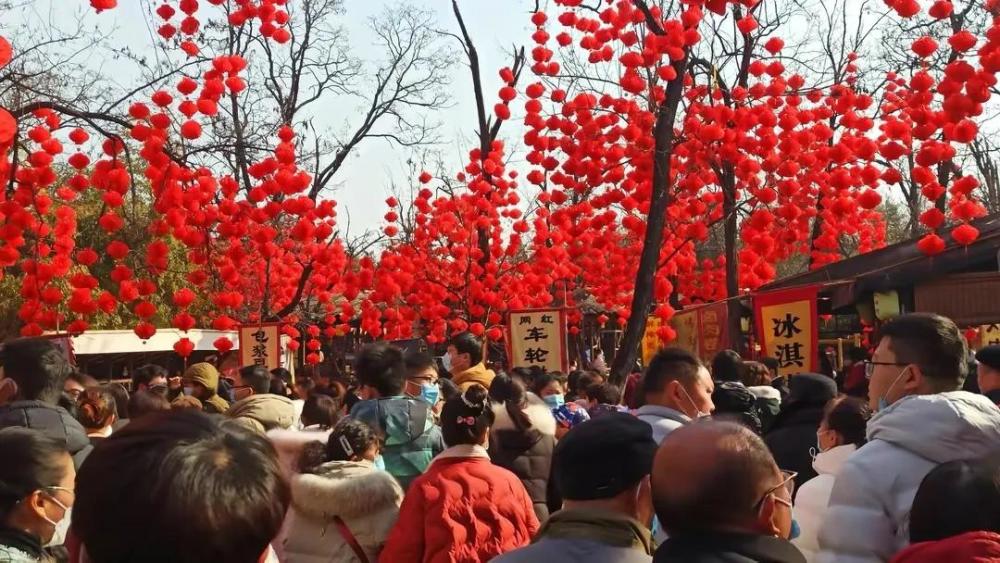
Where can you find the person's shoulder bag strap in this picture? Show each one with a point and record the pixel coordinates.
(345, 533)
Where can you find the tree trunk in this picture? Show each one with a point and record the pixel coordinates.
(730, 226)
(642, 296)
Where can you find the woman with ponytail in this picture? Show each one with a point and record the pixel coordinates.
(523, 437)
(96, 412)
(463, 508)
(342, 506)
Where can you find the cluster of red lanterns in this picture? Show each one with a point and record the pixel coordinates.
(801, 167)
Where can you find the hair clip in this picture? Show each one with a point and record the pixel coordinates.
(471, 421)
(346, 445)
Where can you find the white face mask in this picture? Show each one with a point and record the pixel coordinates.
(446, 362)
(62, 526)
(697, 413)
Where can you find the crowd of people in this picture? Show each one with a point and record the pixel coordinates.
(400, 462)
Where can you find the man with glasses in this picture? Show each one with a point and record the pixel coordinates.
(720, 496)
(921, 421)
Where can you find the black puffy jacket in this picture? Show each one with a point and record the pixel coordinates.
(53, 421)
(793, 433)
(526, 453)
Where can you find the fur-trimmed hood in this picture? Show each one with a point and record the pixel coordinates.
(538, 412)
(348, 489)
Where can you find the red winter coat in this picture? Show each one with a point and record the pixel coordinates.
(970, 547)
(462, 510)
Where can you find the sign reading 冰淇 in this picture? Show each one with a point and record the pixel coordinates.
(260, 345)
(537, 338)
(787, 328)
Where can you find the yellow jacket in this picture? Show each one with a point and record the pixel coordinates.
(476, 374)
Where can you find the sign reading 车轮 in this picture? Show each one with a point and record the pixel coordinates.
(537, 338)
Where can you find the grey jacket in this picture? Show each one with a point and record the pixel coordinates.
(664, 420)
(867, 519)
(586, 536)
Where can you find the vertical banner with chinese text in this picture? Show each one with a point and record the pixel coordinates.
(260, 345)
(713, 326)
(537, 337)
(788, 329)
(989, 335)
(651, 342)
(685, 324)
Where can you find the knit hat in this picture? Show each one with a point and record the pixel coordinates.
(600, 458)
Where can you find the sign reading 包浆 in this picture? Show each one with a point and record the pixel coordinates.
(537, 338)
(787, 328)
(260, 345)
(989, 335)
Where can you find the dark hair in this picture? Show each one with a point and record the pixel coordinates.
(933, 343)
(727, 366)
(146, 373)
(307, 385)
(320, 409)
(604, 393)
(527, 375)
(95, 408)
(68, 403)
(121, 395)
(180, 486)
(448, 389)
(848, 416)
(381, 367)
(857, 354)
(467, 343)
(145, 402)
(30, 462)
(670, 364)
(755, 374)
(257, 378)
(771, 363)
(282, 374)
(472, 405)
(418, 362)
(81, 379)
(349, 438)
(957, 497)
(38, 367)
(277, 387)
(586, 380)
(723, 493)
(507, 390)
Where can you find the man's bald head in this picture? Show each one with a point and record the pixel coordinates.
(709, 475)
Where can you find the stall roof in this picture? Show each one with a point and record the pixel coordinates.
(126, 342)
(902, 263)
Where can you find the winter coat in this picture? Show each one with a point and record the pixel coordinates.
(868, 514)
(768, 404)
(263, 412)
(365, 499)
(793, 433)
(732, 399)
(726, 547)
(475, 374)
(664, 420)
(17, 546)
(586, 536)
(411, 439)
(970, 547)
(812, 498)
(53, 421)
(463, 510)
(527, 453)
(206, 375)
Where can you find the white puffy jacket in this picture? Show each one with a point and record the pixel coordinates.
(867, 519)
(812, 498)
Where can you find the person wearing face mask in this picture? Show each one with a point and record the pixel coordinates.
(523, 437)
(676, 389)
(549, 389)
(201, 381)
(464, 508)
(793, 433)
(36, 494)
(840, 434)
(256, 407)
(464, 361)
(721, 497)
(602, 469)
(406, 425)
(342, 506)
(921, 420)
(422, 378)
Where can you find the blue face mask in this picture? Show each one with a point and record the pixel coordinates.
(430, 392)
(379, 463)
(554, 401)
(795, 531)
(883, 401)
